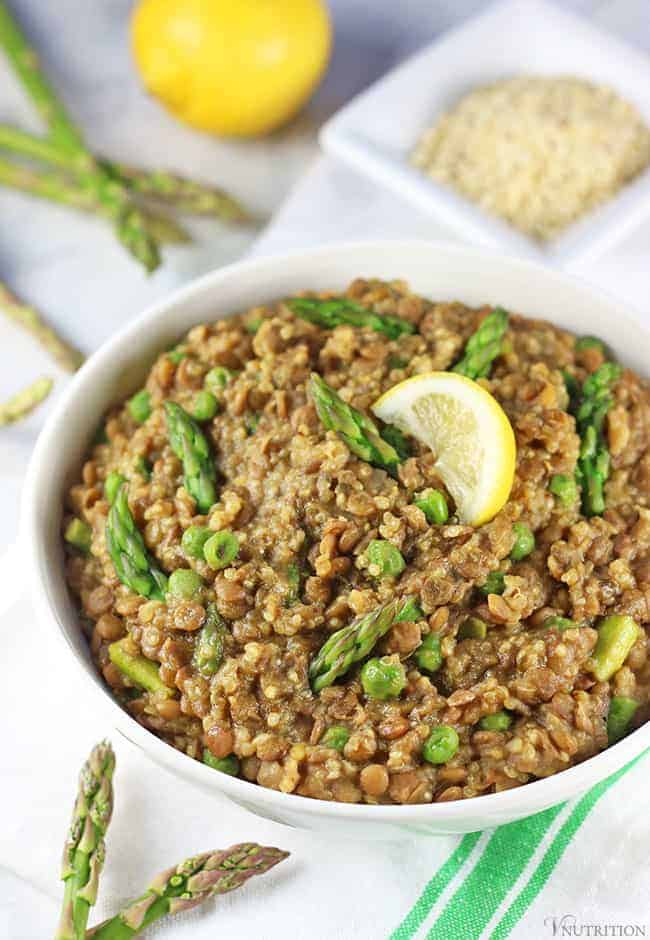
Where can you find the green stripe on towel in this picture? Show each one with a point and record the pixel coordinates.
(478, 898)
(496, 872)
(443, 877)
(554, 853)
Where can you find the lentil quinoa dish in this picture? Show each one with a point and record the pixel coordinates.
(280, 585)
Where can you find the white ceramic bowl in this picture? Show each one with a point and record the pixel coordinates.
(434, 269)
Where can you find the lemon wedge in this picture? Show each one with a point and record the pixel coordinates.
(467, 430)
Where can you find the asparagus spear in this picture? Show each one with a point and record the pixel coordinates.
(24, 402)
(185, 194)
(356, 430)
(208, 652)
(66, 355)
(483, 347)
(46, 184)
(592, 471)
(191, 447)
(83, 855)
(189, 884)
(133, 565)
(66, 138)
(339, 310)
(354, 642)
(140, 670)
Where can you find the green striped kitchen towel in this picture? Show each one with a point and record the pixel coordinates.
(490, 880)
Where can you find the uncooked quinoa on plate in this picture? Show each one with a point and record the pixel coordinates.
(368, 547)
(540, 152)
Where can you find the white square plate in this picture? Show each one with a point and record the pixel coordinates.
(376, 132)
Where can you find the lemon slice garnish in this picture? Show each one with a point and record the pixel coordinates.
(467, 430)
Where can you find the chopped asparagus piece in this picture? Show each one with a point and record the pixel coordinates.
(351, 644)
(616, 636)
(208, 652)
(133, 564)
(190, 445)
(140, 670)
(338, 311)
(79, 534)
(356, 430)
(483, 346)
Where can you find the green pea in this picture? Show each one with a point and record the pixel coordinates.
(411, 612)
(336, 737)
(221, 549)
(184, 582)
(142, 466)
(253, 324)
(79, 534)
(494, 583)
(434, 506)
(559, 623)
(617, 635)
(441, 745)
(621, 712)
(140, 406)
(565, 488)
(194, 539)
(176, 355)
(112, 483)
(590, 342)
(499, 721)
(524, 541)
(473, 628)
(384, 559)
(227, 765)
(217, 378)
(428, 655)
(206, 406)
(252, 423)
(383, 678)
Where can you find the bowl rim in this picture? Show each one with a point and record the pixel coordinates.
(520, 801)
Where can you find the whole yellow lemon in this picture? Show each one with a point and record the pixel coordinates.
(233, 67)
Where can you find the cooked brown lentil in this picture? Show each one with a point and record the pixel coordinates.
(298, 501)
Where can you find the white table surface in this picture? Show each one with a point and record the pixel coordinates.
(73, 269)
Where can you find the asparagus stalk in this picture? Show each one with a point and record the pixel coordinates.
(184, 194)
(483, 346)
(190, 445)
(83, 855)
(66, 138)
(189, 884)
(208, 652)
(592, 471)
(356, 430)
(56, 188)
(354, 642)
(29, 319)
(25, 401)
(140, 670)
(133, 564)
(340, 310)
